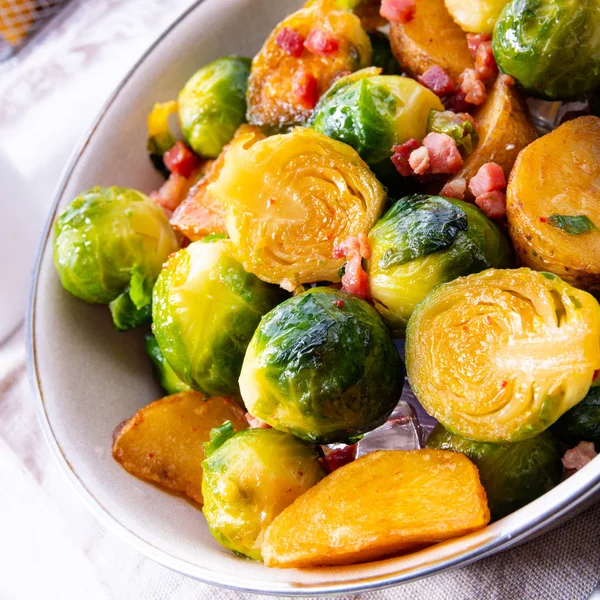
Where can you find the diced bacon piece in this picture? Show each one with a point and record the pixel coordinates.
(365, 248)
(354, 244)
(181, 160)
(420, 161)
(485, 63)
(256, 423)
(306, 89)
(474, 89)
(438, 81)
(398, 11)
(355, 280)
(199, 215)
(321, 43)
(455, 188)
(493, 204)
(340, 456)
(444, 156)
(474, 40)
(288, 285)
(489, 178)
(457, 102)
(402, 154)
(173, 191)
(576, 458)
(291, 41)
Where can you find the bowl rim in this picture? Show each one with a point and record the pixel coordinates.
(509, 531)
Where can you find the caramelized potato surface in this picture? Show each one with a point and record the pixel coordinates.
(381, 504)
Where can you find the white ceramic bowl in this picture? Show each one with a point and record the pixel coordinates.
(88, 378)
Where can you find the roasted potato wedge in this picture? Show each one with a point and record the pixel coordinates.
(368, 13)
(201, 214)
(431, 38)
(504, 127)
(553, 203)
(384, 503)
(476, 16)
(162, 442)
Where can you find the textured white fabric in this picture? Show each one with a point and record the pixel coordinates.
(50, 545)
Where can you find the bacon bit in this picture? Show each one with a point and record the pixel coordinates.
(181, 160)
(398, 11)
(493, 204)
(504, 384)
(321, 43)
(474, 40)
(171, 193)
(256, 423)
(543, 220)
(306, 89)
(420, 161)
(339, 457)
(489, 178)
(595, 375)
(401, 156)
(485, 63)
(470, 83)
(576, 458)
(443, 154)
(291, 41)
(288, 285)
(355, 280)
(438, 81)
(455, 188)
(365, 248)
(339, 303)
(457, 102)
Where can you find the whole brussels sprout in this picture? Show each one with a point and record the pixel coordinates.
(323, 366)
(423, 241)
(551, 47)
(249, 478)
(373, 112)
(163, 372)
(212, 104)
(382, 54)
(205, 309)
(512, 474)
(109, 245)
(582, 422)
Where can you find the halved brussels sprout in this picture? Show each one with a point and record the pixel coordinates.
(423, 241)
(551, 47)
(476, 16)
(249, 478)
(464, 134)
(289, 198)
(323, 366)
(212, 104)
(163, 372)
(205, 309)
(286, 80)
(111, 241)
(582, 422)
(373, 112)
(501, 355)
(382, 54)
(512, 474)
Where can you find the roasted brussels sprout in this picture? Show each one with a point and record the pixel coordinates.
(582, 422)
(373, 112)
(382, 54)
(476, 16)
(290, 72)
(205, 309)
(212, 104)
(289, 198)
(501, 355)
(111, 241)
(512, 474)
(553, 203)
(423, 241)
(551, 47)
(323, 366)
(249, 478)
(163, 372)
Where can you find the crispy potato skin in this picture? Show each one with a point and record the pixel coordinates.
(431, 38)
(381, 504)
(558, 174)
(201, 214)
(162, 442)
(504, 127)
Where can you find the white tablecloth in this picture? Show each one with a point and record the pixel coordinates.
(50, 545)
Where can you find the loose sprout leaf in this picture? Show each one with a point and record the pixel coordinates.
(434, 224)
(140, 291)
(126, 315)
(218, 436)
(463, 134)
(573, 225)
(163, 372)
(214, 237)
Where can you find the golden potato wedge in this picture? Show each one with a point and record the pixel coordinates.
(476, 16)
(553, 203)
(431, 38)
(378, 505)
(162, 442)
(201, 214)
(504, 127)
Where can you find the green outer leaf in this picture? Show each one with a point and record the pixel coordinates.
(572, 224)
(512, 474)
(582, 422)
(163, 372)
(463, 134)
(218, 436)
(212, 104)
(126, 315)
